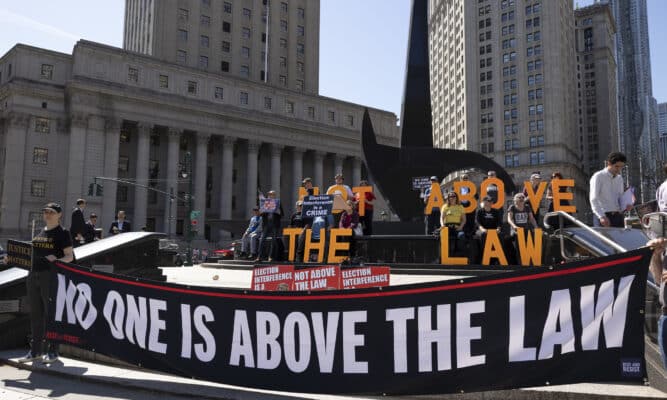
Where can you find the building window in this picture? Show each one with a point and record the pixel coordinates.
(181, 56)
(182, 35)
(245, 33)
(203, 62)
(219, 93)
(42, 125)
(268, 103)
(226, 46)
(300, 48)
(132, 74)
(226, 27)
(164, 82)
(300, 31)
(243, 98)
(38, 188)
(283, 7)
(349, 120)
(205, 21)
(123, 164)
(247, 13)
(311, 112)
(283, 43)
(203, 41)
(121, 194)
(224, 66)
(40, 156)
(192, 87)
(245, 52)
(283, 80)
(299, 84)
(289, 107)
(331, 116)
(299, 67)
(244, 71)
(206, 3)
(301, 13)
(47, 71)
(227, 7)
(283, 25)
(183, 15)
(283, 62)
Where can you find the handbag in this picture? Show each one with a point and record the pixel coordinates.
(358, 230)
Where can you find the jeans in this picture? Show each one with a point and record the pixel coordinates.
(38, 296)
(662, 338)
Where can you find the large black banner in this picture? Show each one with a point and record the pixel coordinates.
(579, 322)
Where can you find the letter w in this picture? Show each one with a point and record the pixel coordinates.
(66, 295)
(609, 311)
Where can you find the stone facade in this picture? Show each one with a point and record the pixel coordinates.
(106, 112)
(596, 85)
(259, 40)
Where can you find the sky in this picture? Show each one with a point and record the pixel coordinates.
(363, 43)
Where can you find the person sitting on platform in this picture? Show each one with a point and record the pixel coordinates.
(251, 236)
(350, 220)
(487, 218)
(453, 218)
(519, 215)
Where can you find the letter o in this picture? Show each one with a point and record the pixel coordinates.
(294, 322)
(116, 324)
(85, 299)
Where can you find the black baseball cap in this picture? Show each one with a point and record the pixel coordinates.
(53, 207)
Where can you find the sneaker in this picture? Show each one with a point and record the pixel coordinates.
(51, 356)
(31, 356)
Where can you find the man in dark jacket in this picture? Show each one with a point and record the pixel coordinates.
(78, 226)
(120, 225)
(271, 213)
(90, 235)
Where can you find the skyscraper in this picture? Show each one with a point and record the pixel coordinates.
(261, 40)
(662, 131)
(596, 85)
(636, 107)
(501, 82)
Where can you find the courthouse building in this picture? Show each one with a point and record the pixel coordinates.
(108, 112)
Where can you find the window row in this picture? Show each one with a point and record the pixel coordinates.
(533, 9)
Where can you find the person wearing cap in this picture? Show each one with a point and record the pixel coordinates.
(535, 180)
(120, 225)
(89, 234)
(487, 218)
(432, 220)
(78, 226)
(52, 243)
(250, 238)
(606, 190)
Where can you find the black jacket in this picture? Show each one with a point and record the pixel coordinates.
(126, 227)
(78, 223)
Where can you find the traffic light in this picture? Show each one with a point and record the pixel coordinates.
(90, 189)
(99, 189)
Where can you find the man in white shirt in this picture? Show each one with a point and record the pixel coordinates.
(606, 189)
(661, 193)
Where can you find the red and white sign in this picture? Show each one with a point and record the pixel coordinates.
(273, 278)
(364, 277)
(324, 277)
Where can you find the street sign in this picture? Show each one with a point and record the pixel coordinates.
(194, 214)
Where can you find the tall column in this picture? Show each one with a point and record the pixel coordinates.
(111, 149)
(15, 137)
(200, 180)
(276, 151)
(226, 184)
(319, 170)
(75, 167)
(338, 163)
(297, 172)
(356, 172)
(173, 141)
(251, 177)
(141, 176)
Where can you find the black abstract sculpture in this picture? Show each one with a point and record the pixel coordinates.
(393, 168)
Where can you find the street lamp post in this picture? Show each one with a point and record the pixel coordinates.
(187, 173)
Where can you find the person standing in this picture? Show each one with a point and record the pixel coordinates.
(78, 226)
(270, 224)
(606, 190)
(52, 243)
(333, 189)
(432, 220)
(90, 235)
(661, 193)
(658, 268)
(120, 225)
(535, 180)
(367, 219)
